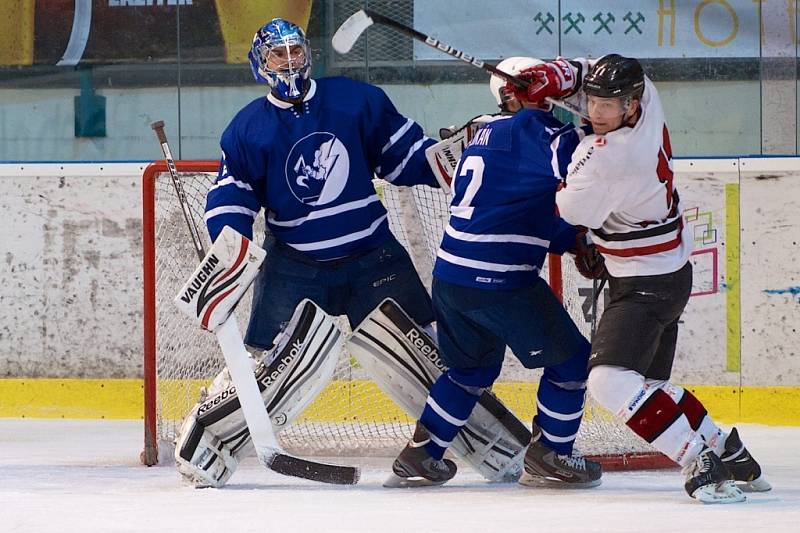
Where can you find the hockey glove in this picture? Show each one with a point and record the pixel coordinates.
(588, 260)
(555, 79)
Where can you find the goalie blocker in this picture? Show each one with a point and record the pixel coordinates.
(443, 157)
(404, 361)
(215, 437)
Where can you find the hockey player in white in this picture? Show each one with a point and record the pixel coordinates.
(620, 185)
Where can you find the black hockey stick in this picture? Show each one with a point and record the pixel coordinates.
(597, 290)
(352, 28)
(268, 450)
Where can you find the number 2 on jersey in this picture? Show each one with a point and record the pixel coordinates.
(473, 164)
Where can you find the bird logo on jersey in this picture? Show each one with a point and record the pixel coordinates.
(317, 168)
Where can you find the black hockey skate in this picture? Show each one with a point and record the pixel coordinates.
(742, 468)
(707, 480)
(415, 468)
(545, 468)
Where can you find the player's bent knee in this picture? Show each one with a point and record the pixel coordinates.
(613, 386)
(475, 379)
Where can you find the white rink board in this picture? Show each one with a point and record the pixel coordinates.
(71, 250)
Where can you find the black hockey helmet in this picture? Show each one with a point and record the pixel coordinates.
(614, 76)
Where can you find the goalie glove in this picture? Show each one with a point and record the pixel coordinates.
(443, 157)
(588, 260)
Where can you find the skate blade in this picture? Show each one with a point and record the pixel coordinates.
(725, 492)
(757, 485)
(398, 482)
(530, 480)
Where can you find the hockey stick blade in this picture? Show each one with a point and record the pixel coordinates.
(289, 465)
(350, 30)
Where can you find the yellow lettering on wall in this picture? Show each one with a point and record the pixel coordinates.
(239, 20)
(16, 32)
(763, 34)
(666, 12)
(734, 18)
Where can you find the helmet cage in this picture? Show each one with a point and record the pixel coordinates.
(287, 77)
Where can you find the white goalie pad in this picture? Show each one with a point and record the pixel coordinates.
(404, 361)
(215, 437)
(224, 275)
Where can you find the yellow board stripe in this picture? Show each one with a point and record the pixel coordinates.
(123, 399)
(733, 358)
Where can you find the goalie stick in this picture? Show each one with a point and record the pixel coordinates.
(236, 357)
(351, 29)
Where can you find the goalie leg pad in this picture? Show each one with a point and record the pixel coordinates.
(404, 362)
(202, 459)
(291, 377)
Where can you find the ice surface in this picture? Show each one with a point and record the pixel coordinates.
(84, 476)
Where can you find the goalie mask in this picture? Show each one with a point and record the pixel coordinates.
(281, 57)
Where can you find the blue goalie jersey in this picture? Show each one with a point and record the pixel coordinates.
(311, 165)
(503, 214)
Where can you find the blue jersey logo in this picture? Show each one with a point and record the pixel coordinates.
(317, 168)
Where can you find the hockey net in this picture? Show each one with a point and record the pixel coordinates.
(351, 416)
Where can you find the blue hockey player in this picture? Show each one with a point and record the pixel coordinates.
(487, 294)
(307, 153)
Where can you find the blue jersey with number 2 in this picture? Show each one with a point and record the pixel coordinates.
(503, 214)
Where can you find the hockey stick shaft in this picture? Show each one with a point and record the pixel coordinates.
(197, 241)
(352, 28)
(597, 289)
(237, 360)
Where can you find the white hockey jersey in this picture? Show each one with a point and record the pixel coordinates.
(620, 186)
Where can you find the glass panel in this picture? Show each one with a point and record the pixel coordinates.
(82, 80)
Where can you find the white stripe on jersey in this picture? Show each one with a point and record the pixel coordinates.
(482, 265)
(554, 159)
(230, 180)
(322, 213)
(498, 237)
(330, 243)
(226, 209)
(396, 136)
(396, 172)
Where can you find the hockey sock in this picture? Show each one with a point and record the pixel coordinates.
(648, 410)
(697, 415)
(559, 403)
(449, 404)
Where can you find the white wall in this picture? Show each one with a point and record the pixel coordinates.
(70, 258)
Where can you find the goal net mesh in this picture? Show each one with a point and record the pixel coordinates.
(351, 416)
